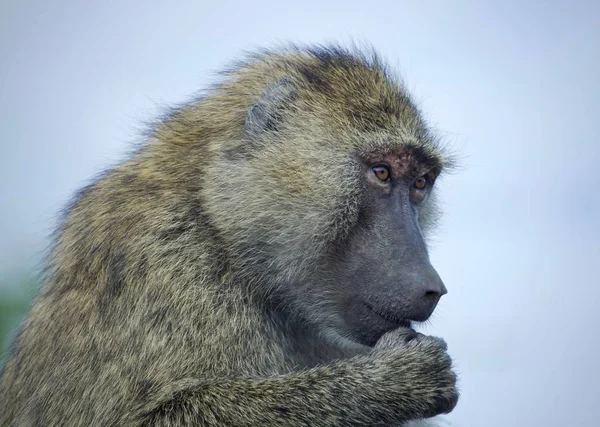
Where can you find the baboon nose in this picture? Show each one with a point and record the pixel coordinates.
(426, 289)
(435, 288)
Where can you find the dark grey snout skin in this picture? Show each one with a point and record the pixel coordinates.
(424, 288)
(388, 269)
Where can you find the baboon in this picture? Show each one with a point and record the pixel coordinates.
(257, 262)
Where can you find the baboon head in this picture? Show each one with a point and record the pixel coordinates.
(325, 189)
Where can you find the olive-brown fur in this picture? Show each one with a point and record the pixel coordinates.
(167, 298)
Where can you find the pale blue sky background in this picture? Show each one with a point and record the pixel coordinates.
(513, 85)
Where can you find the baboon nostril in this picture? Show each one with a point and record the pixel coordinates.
(433, 294)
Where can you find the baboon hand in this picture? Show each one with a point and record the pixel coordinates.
(423, 367)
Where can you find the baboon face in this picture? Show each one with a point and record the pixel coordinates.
(375, 274)
(382, 272)
(364, 232)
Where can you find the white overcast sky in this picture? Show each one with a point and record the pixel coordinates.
(514, 85)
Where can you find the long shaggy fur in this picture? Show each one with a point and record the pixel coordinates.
(157, 308)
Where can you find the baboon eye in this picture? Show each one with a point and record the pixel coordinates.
(421, 183)
(382, 172)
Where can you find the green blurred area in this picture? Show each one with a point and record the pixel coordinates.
(15, 302)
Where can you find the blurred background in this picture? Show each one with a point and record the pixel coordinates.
(512, 85)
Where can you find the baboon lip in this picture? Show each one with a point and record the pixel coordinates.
(398, 321)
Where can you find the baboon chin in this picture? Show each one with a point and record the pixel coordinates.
(258, 261)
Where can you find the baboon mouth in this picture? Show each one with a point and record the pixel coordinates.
(391, 318)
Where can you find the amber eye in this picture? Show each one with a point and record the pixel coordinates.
(421, 183)
(382, 172)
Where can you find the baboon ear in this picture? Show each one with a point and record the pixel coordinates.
(265, 114)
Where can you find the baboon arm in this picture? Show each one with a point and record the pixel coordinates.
(350, 392)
